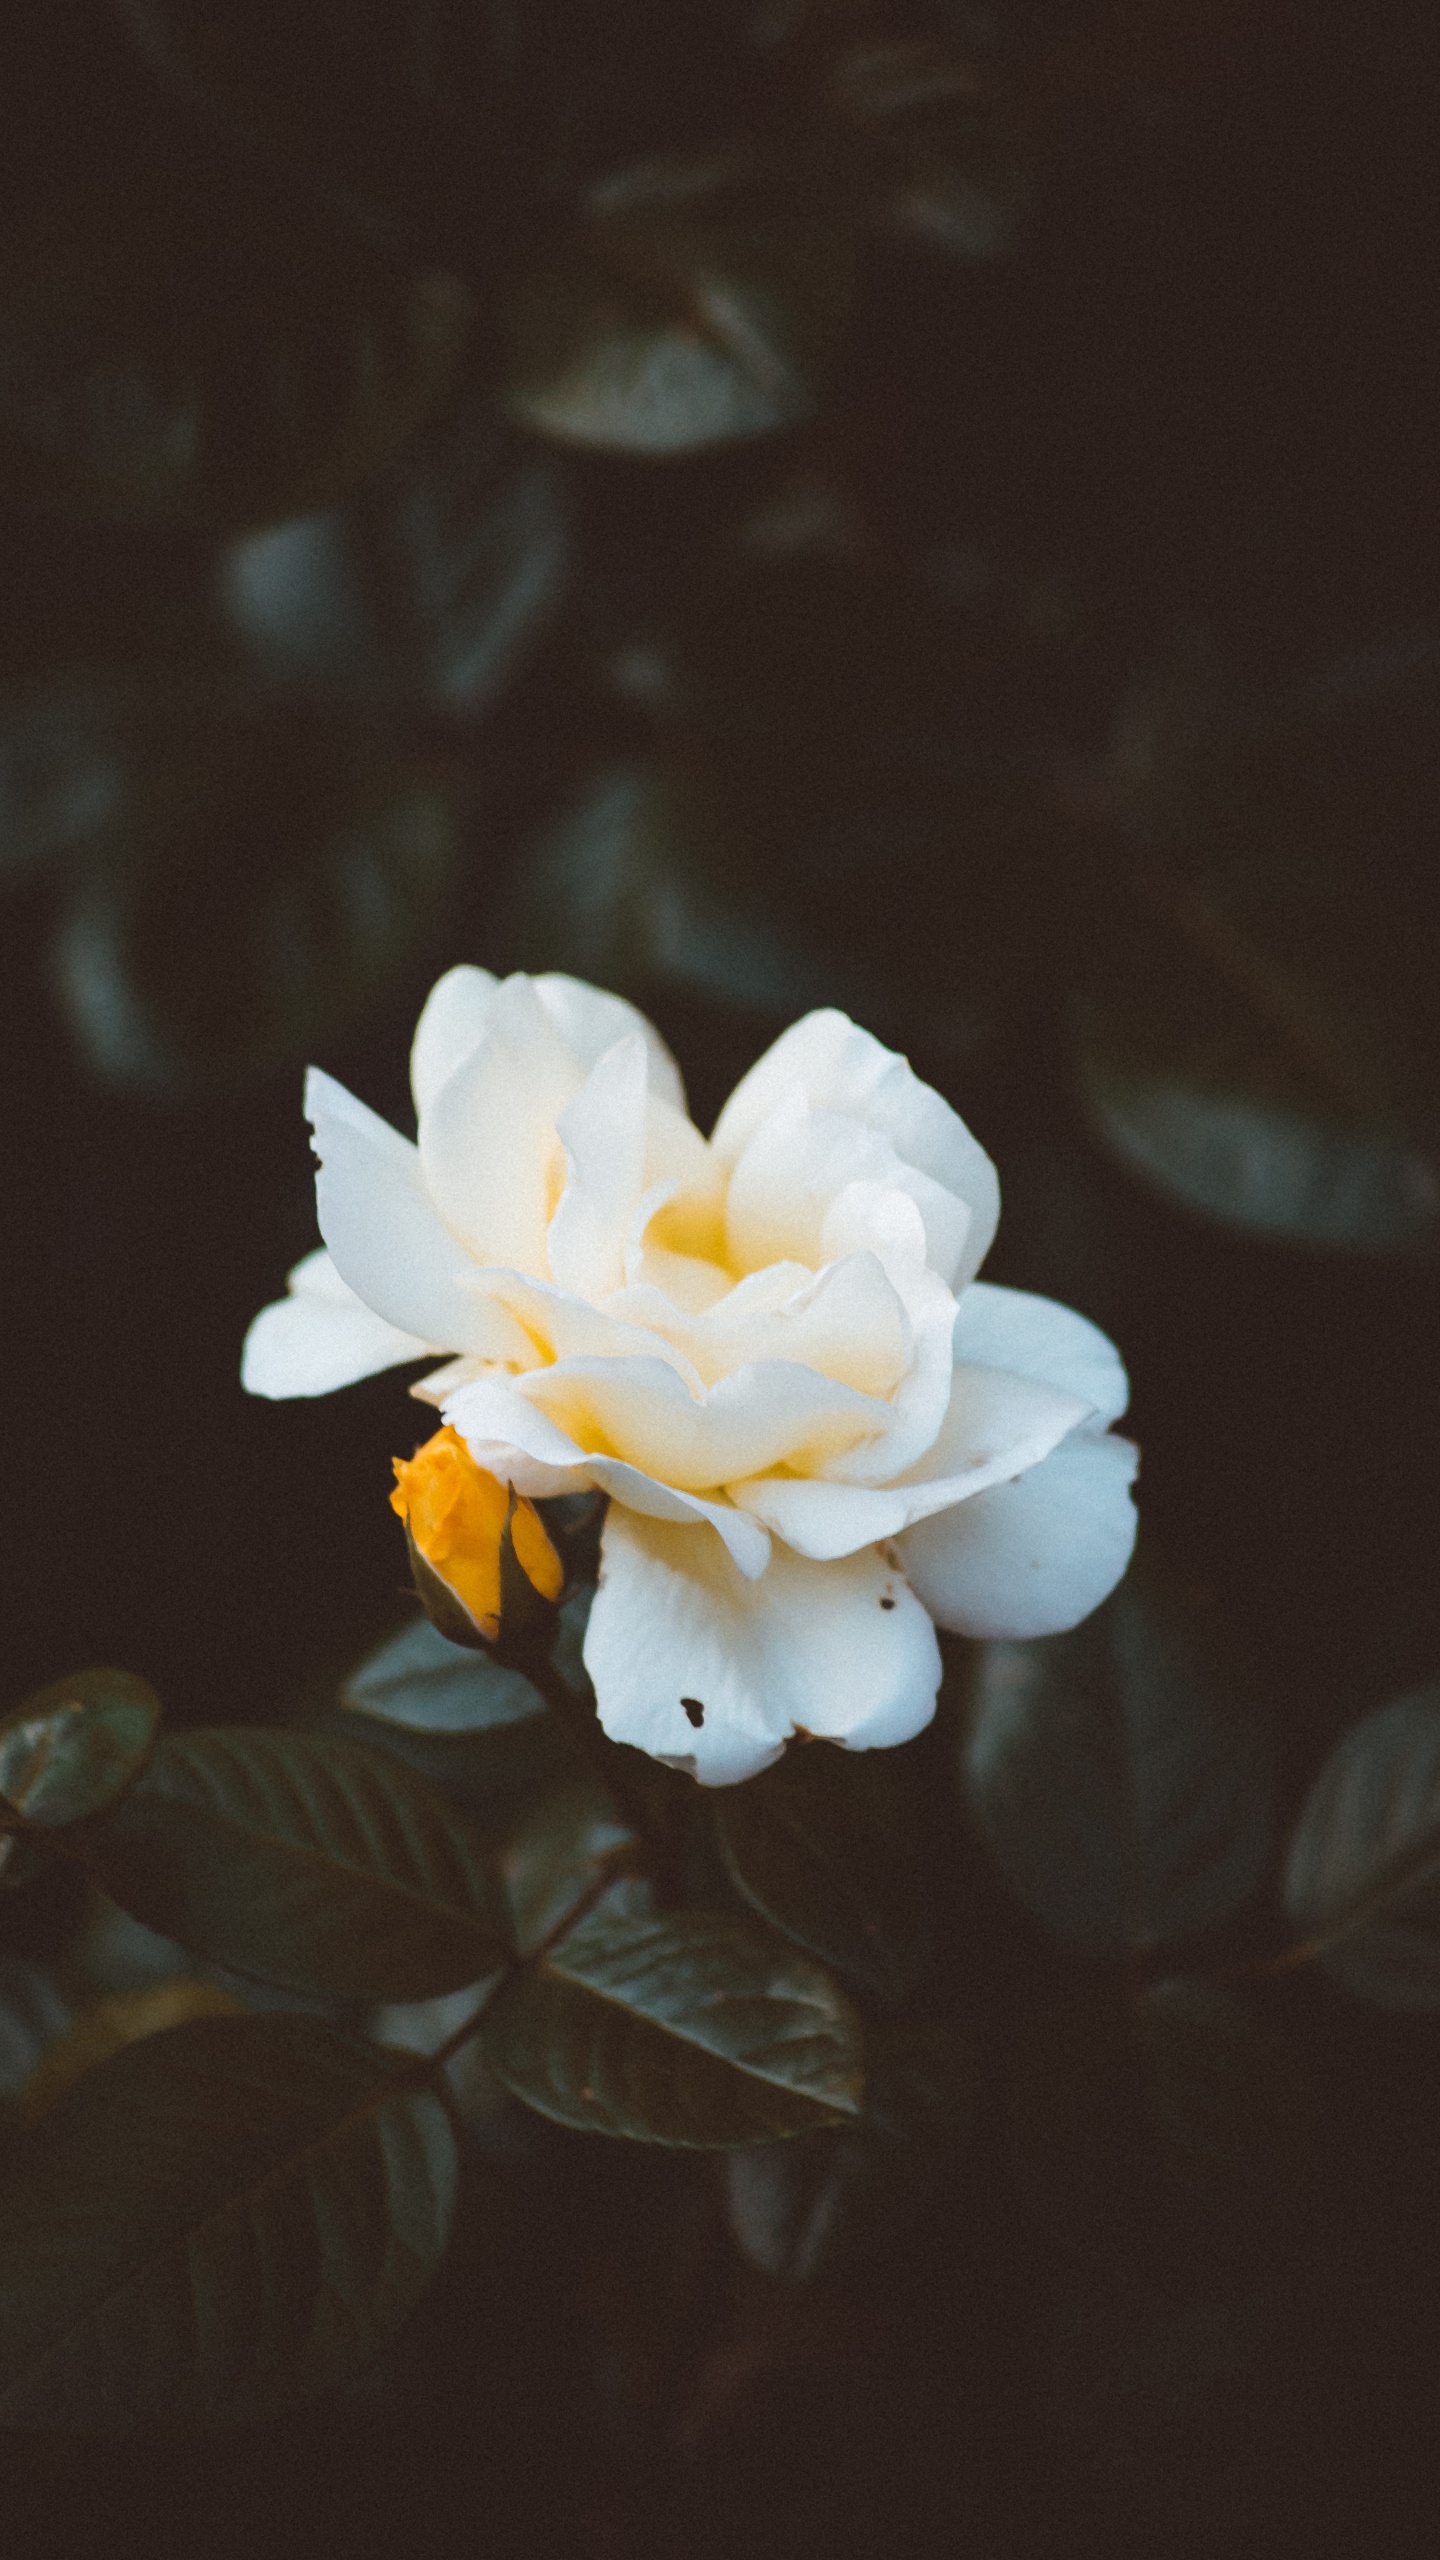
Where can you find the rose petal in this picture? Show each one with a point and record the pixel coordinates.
(493, 1163)
(592, 1020)
(383, 1233)
(841, 1068)
(1033, 1557)
(995, 1427)
(507, 1434)
(321, 1337)
(603, 1134)
(762, 1415)
(794, 1169)
(839, 1649)
(846, 1321)
(451, 1027)
(1038, 1338)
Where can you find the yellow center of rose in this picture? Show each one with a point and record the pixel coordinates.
(457, 1513)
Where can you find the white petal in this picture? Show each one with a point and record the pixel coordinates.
(565, 1327)
(843, 1650)
(592, 1020)
(321, 1337)
(451, 1027)
(847, 1321)
(383, 1233)
(769, 1413)
(794, 1169)
(842, 1069)
(1038, 1338)
(995, 1427)
(493, 1163)
(1033, 1557)
(603, 1134)
(509, 1436)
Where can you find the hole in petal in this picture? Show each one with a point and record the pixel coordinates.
(693, 1710)
(887, 1602)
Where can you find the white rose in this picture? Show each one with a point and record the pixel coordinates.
(818, 1431)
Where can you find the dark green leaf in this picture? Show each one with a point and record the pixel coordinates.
(562, 1849)
(430, 586)
(216, 2225)
(75, 1746)
(692, 2030)
(798, 2209)
(1363, 1878)
(60, 776)
(1122, 1797)
(416, 1678)
(168, 354)
(34, 2013)
(819, 1845)
(278, 868)
(1205, 1114)
(321, 1866)
(109, 2025)
(659, 337)
(493, 1775)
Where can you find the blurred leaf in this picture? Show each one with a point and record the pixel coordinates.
(799, 2209)
(692, 2030)
(655, 334)
(561, 1850)
(1256, 1032)
(1196, 1100)
(431, 585)
(72, 1748)
(820, 1846)
(1363, 1878)
(111, 2024)
(34, 2013)
(1121, 1797)
(321, 1866)
(1181, 2134)
(279, 868)
(416, 1678)
(172, 352)
(60, 776)
(214, 2226)
(629, 889)
(951, 159)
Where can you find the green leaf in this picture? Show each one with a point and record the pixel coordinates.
(321, 1866)
(169, 353)
(417, 1678)
(659, 336)
(1362, 1882)
(693, 2030)
(553, 1860)
(430, 586)
(1120, 1794)
(72, 1748)
(60, 776)
(218, 2224)
(1201, 1110)
(818, 1845)
(108, 2026)
(278, 867)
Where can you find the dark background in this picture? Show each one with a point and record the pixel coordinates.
(1100, 551)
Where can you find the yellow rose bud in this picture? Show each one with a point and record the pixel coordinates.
(457, 1518)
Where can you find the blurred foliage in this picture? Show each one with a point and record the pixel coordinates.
(902, 503)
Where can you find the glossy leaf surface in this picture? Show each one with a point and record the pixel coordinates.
(215, 2225)
(691, 2030)
(317, 1865)
(818, 1846)
(75, 1746)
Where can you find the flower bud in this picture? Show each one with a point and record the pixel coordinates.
(481, 1556)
